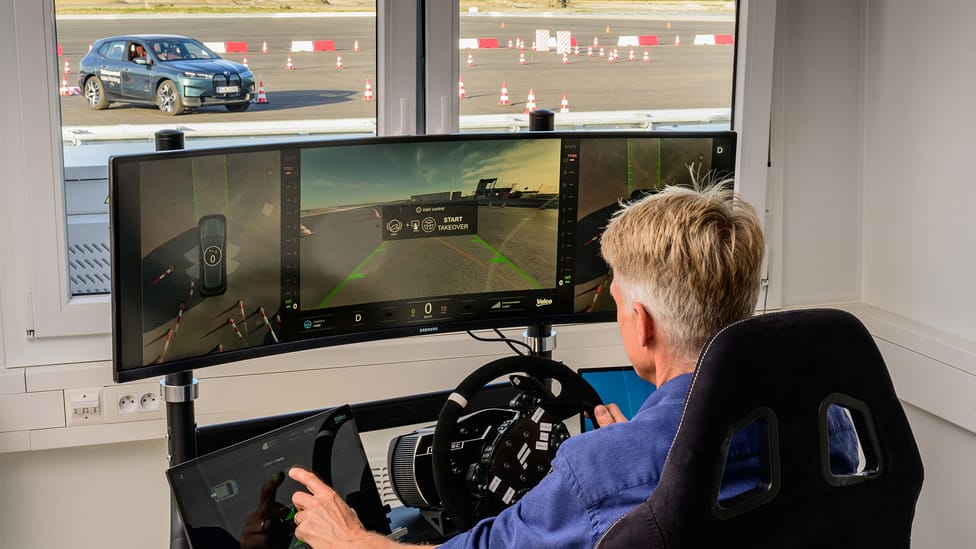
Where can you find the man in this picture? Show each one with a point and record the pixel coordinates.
(138, 52)
(685, 263)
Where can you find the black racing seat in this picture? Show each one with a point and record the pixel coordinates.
(783, 370)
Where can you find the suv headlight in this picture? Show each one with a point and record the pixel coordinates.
(189, 74)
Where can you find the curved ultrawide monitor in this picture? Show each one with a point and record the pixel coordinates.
(225, 254)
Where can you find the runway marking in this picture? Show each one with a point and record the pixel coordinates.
(499, 258)
(193, 178)
(354, 275)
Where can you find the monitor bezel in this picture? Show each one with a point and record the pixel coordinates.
(126, 283)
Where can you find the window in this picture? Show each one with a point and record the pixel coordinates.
(636, 65)
(52, 209)
(240, 75)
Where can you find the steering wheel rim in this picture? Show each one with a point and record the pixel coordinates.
(456, 501)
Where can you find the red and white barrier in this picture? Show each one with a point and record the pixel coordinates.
(647, 40)
(704, 40)
(627, 41)
(216, 47)
(227, 47)
(714, 40)
(542, 40)
(478, 43)
(564, 42)
(323, 45)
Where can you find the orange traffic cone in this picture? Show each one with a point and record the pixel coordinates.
(503, 98)
(601, 53)
(596, 41)
(461, 88)
(355, 45)
(669, 25)
(631, 56)
(67, 67)
(244, 62)
(338, 61)
(509, 43)
(677, 40)
(565, 58)
(368, 92)
(470, 60)
(589, 51)
(289, 65)
(564, 104)
(647, 58)
(64, 85)
(521, 58)
(576, 50)
(262, 98)
(530, 103)
(264, 47)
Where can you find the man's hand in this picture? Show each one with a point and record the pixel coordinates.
(265, 528)
(323, 520)
(609, 414)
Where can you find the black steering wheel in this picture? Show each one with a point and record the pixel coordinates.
(575, 396)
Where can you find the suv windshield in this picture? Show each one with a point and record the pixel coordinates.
(177, 50)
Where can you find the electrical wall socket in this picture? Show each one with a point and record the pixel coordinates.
(83, 406)
(132, 402)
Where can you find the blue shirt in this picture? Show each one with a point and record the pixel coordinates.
(600, 475)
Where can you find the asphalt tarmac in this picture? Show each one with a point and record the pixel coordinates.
(349, 261)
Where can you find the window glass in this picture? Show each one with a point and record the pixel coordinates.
(224, 71)
(597, 64)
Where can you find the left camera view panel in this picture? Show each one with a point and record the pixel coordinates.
(210, 237)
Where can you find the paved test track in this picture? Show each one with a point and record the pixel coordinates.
(684, 76)
(350, 263)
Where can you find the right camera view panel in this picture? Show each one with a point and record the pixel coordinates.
(612, 171)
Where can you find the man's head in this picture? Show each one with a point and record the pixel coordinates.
(688, 258)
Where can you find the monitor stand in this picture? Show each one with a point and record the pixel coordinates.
(179, 391)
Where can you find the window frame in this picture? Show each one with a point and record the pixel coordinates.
(43, 324)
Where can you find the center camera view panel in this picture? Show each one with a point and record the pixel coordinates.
(226, 254)
(414, 233)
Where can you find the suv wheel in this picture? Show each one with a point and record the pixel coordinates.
(168, 98)
(95, 94)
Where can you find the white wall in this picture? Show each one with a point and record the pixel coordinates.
(105, 496)
(874, 117)
(815, 148)
(919, 243)
(944, 516)
(919, 238)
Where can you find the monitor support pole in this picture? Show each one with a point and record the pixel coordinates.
(541, 337)
(179, 391)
